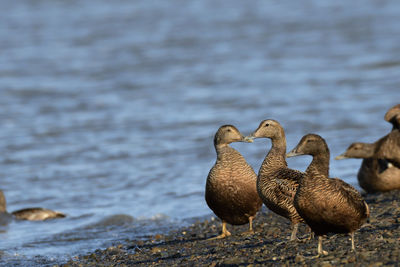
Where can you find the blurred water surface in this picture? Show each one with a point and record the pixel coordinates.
(108, 108)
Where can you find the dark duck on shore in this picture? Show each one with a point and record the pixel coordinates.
(31, 214)
(231, 183)
(276, 183)
(328, 205)
(380, 168)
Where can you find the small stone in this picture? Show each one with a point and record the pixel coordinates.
(326, 264)
(155, 250)
(158, 236)
(233, 261)
(299, 258)
(391, 240)
(351, 259)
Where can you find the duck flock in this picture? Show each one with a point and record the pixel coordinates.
(235, 193)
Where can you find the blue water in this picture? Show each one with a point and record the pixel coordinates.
(108, 108)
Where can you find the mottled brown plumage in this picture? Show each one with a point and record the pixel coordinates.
(276, 183)
(37, 214)
(31, 214)
(393, 116)
(380, 168)
(231, 183)
(328, 205)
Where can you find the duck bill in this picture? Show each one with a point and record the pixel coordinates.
(342, 156)
(293, 153)
(248, 139)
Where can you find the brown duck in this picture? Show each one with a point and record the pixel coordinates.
(380, 167)
(231, 183)
(328, 205)
(276, 183)
(31, 214)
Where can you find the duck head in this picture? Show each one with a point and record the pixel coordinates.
(227, 134)
(268, 129)
(358, 150)
(310, 144)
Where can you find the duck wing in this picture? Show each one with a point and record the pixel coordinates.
(287, 181)
(388, 148)
(350, 195)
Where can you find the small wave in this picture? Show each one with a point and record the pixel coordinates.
(113, 220)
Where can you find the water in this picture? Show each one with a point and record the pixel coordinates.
(108, 108)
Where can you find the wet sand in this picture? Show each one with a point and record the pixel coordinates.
(377, 244)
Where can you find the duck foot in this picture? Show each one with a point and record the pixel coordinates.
(224, 234)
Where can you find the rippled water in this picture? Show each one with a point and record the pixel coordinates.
(108, 108)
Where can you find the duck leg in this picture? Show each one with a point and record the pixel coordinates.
(320, 250)
(250, 231)
(294, 232)
(352, 241)
(251, 224)
(224, 234)
(309, 236)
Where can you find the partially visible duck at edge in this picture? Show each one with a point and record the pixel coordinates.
(376, 174)
(385, 158)
(328, 205)
(276, 183)
(393, 116)
(380, 168)
(31, 214)
(231, 191)
(388, 147)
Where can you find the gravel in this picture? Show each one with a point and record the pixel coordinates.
(377, 244)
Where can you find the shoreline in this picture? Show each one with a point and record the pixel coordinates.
(377, 243)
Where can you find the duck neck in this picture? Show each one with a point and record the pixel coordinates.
(319, 165)
(278, 146)
(222, 150)
(276, 157)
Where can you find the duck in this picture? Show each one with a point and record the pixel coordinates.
(328, 205)
(231, 191)
(380, 167)
(393, 116)
(276, 183)
(30, 214)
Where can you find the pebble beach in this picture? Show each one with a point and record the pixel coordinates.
(377, 244)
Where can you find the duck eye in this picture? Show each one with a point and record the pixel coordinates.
(267, 124)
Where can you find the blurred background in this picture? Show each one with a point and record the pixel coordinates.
(108, 108)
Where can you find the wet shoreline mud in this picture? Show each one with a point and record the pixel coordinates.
(377, 244)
